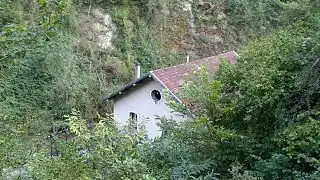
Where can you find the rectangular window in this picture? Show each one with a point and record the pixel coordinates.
(133, 121)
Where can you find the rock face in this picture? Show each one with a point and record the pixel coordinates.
(188, 8)
(14, 173)
(96, 26)
(194, 27)
(103, 29)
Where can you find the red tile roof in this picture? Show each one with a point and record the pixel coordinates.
(172, 77)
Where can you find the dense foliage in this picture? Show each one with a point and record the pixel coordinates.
(264, 111)
(256, 119)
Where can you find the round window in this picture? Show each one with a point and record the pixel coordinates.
(156, 95)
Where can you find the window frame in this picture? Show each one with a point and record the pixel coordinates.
(133, 121)
(153, 95)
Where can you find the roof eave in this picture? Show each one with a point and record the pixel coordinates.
(171, 93)
(125, 87)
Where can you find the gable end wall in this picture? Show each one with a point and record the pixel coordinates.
(139, 101)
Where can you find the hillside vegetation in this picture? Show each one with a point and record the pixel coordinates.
(257, 119)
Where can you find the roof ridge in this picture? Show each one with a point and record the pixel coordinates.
(161, 75)
(197, 60)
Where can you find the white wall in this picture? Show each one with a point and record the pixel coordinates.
(138, 100)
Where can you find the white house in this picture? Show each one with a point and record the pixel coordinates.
(142, 99)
